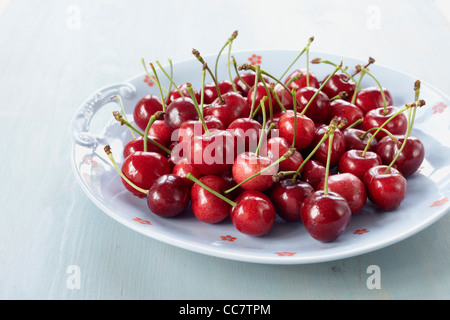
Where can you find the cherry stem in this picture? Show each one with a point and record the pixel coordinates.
(268, 95)
(196, 53)
(287, 155)
(110, 156)
(152, 119)
(247, 66)
(379, 85)
(327, 167)
(255, 90)
(152, 78)
(307, 64)
(159, 87)
(228, 43)
(354, 124)
(319, 60)
(277, 99)
(311, 39)
(199, 111)
(123, 121)
(341, 95)
(170, 79)
(371, 61)
(123, 111)
(217, 194)
(358, 85)
(263, 131)
(320, 88)
(237, 73)
(171, 76)
(410, 123)
(382, 129)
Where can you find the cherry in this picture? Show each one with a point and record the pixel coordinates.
(338, 147)
(275, 147)
(181, 92)
(371, 98)
(227, 175)
(234, 106)
(253, 214)
(284, 96)
(206, 206)
(246, 133)
(304, 134)
(301, 82)
(194, 127)
(343, 109)
(386, 187)
(225, 86)
(182, 167)
(178, 111)
(249, 163)
(326, 214)
(313, 172)
(357, 162)
(319, 107)
(377, 117)
(254, 97)
(145, 108)
(409, 159)
(287, 198)
(340, 82)
(140, 170)
(246, 80)
(168, 196)
(357, 139)
(137, 144)
(350, 187)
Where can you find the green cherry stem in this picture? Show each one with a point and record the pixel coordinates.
(170, 79)
(379, 85)
(108, 152)
(382, 129)
(123, 111)
(255, 90)
(354, 124)
(320, 88)
(247, 66)
(319, 60)
(263, 131)
(151, 78)
(123, 121)
(201, 184)
(237, 73)
(327, 167)
(371, 61)
(228, 43)
(196, 53)
(294, 100)
(358, 85)
(159, 87)
(311, 39)
(197, 107)
(287, 155)
(277, 99)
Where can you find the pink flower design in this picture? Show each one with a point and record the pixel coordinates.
(285, 254)
(439, 108)
(142, 221)
(439, 202)
(255, 60)
(228, 238)
(149, 80)
(360, 231)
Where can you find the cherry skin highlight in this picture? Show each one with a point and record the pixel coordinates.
(169, 196)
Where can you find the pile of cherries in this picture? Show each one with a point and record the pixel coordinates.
(255, 146)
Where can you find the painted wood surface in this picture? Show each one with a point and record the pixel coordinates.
(53, 54)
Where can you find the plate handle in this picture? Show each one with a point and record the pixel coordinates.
(82, 119)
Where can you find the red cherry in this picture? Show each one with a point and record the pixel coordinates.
(169, 196)
(179, 111)
(350, 187)
(342, 109)
(288, 196)
(145, 108)
(182, 168)
(338, 83)
(319, 109)
(143, 168)
(376, 117)
(211, 153)
(210, 91)
(370, 98)
(246, 165)
(137, 144)
(160, 131)
(386, 190)
(227, 175)
(174, 94)
(275, 147)
(284, 96)
(254, 213)
(206, 206)
(233, 107)
(313, 172)
(246, 133)
(337, 149)
(409, 160)
(249, 78)
(353, 140)
(325, 216)
(195, 127)
(305, 129)
(301, 82)
(353, 161)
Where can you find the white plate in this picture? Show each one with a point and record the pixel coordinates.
(426, 200)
